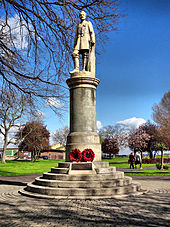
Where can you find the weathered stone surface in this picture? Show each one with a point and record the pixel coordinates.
(81, 180)
(132, 188)
(83, 132)
(105, 170)
(95, 177)
(96, 164)
(81, 166)
(83, 109)
(83, 184)
(81, 74)
(101, 164)
(81, 172)
(59, 170)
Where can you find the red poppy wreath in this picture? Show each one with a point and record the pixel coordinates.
(88, 155)
(75, 155)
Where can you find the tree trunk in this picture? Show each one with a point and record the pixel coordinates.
(33, 155)
(150, 154)
(162, 159)
(155, 154)
(3, 159)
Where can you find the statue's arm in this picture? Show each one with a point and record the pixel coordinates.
(76, 37)
(92, 34)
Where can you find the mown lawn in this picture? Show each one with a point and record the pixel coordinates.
(122, 162)
(148, 172)
(24, 167)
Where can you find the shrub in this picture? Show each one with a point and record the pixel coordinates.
(154, 160)
(166, 167)
(158, 166)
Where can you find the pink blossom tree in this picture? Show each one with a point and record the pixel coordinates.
(110, 146)
(138, 140)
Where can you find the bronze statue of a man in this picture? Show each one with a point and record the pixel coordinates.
(84, 44)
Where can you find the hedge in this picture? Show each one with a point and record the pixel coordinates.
(154, 160)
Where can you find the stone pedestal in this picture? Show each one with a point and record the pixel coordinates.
(83, 132)
(82, 181)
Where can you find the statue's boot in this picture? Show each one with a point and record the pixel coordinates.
(85, 62)
(76, 65)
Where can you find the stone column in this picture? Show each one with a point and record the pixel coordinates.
(83, 133)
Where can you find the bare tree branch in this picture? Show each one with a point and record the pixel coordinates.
(13, 106)
(36, 41)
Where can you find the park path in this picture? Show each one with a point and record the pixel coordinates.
(151, 209)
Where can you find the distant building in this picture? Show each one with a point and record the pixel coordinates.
(24, 154)
(57, 151)
(11, 153)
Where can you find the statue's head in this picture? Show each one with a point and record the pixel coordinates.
(82, 15)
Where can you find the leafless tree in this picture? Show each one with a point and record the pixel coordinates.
(36, 40)
(117, 132)
(13, 106)
(161, 115)
(60, 136)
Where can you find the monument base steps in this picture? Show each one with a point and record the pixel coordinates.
(82, 181)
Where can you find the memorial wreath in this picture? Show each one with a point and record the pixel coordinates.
(75, 155)
(88, 155)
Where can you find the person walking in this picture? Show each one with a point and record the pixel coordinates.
(131, 160)
(138, 160)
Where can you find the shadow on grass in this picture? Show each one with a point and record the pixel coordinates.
(5, 173)
(22, 160)
(17, 183)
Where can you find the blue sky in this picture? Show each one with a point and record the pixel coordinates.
(134, 69)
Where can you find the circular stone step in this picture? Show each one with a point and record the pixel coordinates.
(89, 181)
(105, 170)
(112, 196)
(96, 164)
(83, 184)
(83, 191)
(95, 177)
(59, 170)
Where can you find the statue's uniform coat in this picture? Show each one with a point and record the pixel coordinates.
(84, 35)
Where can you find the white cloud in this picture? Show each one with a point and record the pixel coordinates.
(19, 32)
(99, 125)
(52, 101)
(15, 128)
(1, 138)
(11, 135)
(132, 123)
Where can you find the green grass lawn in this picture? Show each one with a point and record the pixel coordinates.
(122, 162)
(24, 167)
(116, 159)
(148, 172)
